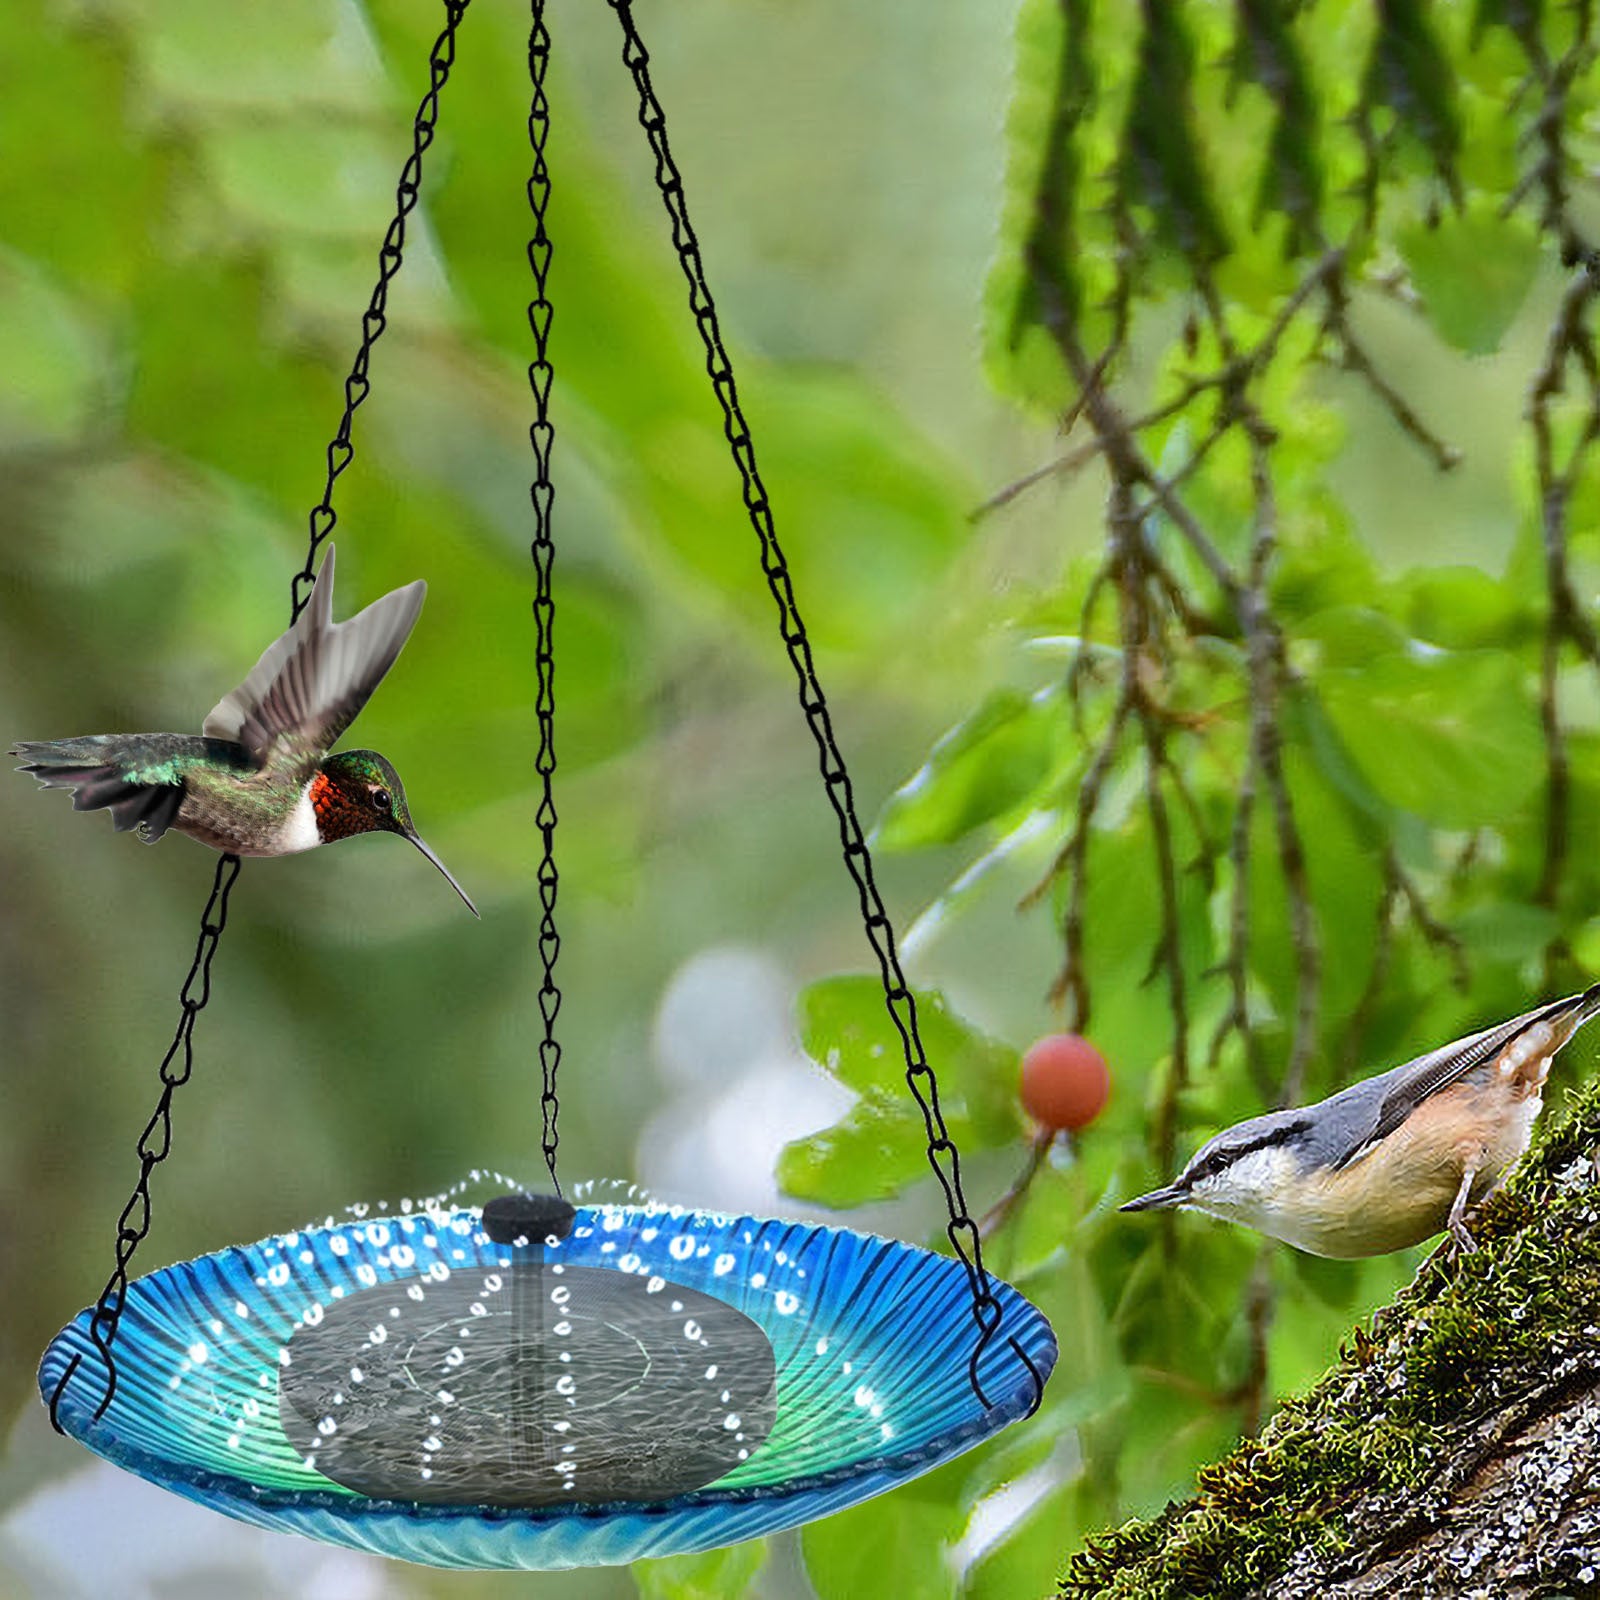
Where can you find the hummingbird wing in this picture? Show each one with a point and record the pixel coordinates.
(1407, 1086)
(309, 684)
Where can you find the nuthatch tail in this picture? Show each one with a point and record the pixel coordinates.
(1391, 1160)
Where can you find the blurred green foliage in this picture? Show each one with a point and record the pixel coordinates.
(192, 202)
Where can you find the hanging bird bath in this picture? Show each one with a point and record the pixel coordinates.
(655, 1382)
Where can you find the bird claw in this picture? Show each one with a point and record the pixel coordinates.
(1456, 1244)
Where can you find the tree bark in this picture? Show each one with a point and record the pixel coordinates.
(1516, 1514)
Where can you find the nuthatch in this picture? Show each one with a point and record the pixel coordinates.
(1391, 1160)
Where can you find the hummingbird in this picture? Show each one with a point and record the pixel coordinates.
(258, 780)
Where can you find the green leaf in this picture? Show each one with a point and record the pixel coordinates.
(713, 1575)
(1474, 273)
(1291, 177)
(875, 1151)
(1056, 262)
(895, 1544)
(984, 766)
(1450, 736)
(1351, 637)
(880, 1146)
(1027, 1560)
(1464, 608)
(1333, 760)
(844, 1025)
(1131, 1024)
(1327, 568)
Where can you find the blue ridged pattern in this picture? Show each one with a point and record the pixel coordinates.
(871, 1339)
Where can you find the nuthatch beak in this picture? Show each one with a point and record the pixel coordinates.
(1391, 1160)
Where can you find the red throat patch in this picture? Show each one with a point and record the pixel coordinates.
(324, 797)
(337, 818)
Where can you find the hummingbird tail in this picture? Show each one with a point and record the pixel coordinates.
(109, 773)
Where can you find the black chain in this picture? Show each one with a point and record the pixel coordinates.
(542, 436)
(155, 1143)
(375, 319)
(943, 1156)
(133, 1226)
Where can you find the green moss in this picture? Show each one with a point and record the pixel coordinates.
(1384, 1418)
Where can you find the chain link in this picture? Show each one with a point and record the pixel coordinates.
(155, 1143)
(943, 1156)
(542, 436)
(376, 317)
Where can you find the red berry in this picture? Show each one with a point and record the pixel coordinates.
(1065, 1082)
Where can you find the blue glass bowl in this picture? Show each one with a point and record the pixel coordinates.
(406, 1386)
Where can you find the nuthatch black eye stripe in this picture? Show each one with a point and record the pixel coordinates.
(1285, 1133)
(1390, 1160)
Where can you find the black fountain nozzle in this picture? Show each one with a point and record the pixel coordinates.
(531, 1218)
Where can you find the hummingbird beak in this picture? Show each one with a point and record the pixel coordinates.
(448, 875)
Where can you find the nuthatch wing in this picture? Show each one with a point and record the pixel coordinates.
(1391, 1160)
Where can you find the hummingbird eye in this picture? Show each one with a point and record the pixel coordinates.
(381, 800)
